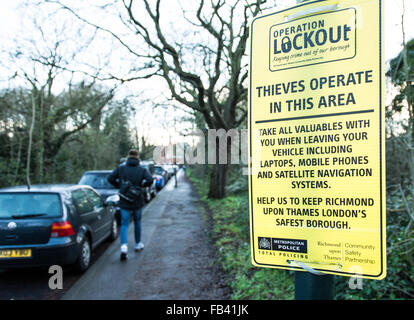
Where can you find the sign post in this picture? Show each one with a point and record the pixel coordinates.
(310, 286)
(316, 142)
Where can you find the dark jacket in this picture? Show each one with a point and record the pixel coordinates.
(134, 173)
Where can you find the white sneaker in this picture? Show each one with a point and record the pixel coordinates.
(124, 252)
(139, 246)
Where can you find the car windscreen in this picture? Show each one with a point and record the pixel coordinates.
(148, 168)
(158, 170)
(29, 205)
(96, 180)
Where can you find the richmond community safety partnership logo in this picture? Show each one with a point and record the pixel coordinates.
(306, 41)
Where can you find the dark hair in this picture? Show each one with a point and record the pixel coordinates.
(133, 153)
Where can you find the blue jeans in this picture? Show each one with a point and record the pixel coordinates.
(125, 218)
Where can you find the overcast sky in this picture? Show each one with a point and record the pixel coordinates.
(11, 20)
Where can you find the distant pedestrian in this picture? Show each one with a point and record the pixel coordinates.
(131, 177)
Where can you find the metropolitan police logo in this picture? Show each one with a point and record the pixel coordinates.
(264, 243)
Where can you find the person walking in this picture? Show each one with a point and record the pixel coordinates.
(139, 177)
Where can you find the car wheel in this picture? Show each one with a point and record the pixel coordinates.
(114, 230)
(84, 259)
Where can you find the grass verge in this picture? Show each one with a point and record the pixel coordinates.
(229, 230)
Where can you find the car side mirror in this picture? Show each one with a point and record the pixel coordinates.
(112, 200)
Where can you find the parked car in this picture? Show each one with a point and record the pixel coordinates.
(150, 192)
(170, 169)
(161, 175)
(159, 181)
(158, 169)
(98, 179)
(53, 224)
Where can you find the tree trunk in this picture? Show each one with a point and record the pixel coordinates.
(218, 181)
(218, 177)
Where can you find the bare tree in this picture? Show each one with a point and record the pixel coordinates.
(53, 98)
(205, 68)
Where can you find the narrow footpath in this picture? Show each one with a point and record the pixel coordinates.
(177, 263)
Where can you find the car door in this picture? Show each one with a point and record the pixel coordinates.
(103, 213)
(88, 216)
(151, 170)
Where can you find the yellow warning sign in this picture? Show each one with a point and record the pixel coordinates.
(316, 138)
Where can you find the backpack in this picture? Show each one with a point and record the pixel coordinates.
(127, 190)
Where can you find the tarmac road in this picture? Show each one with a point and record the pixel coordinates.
(32, 284)
(177, 262)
